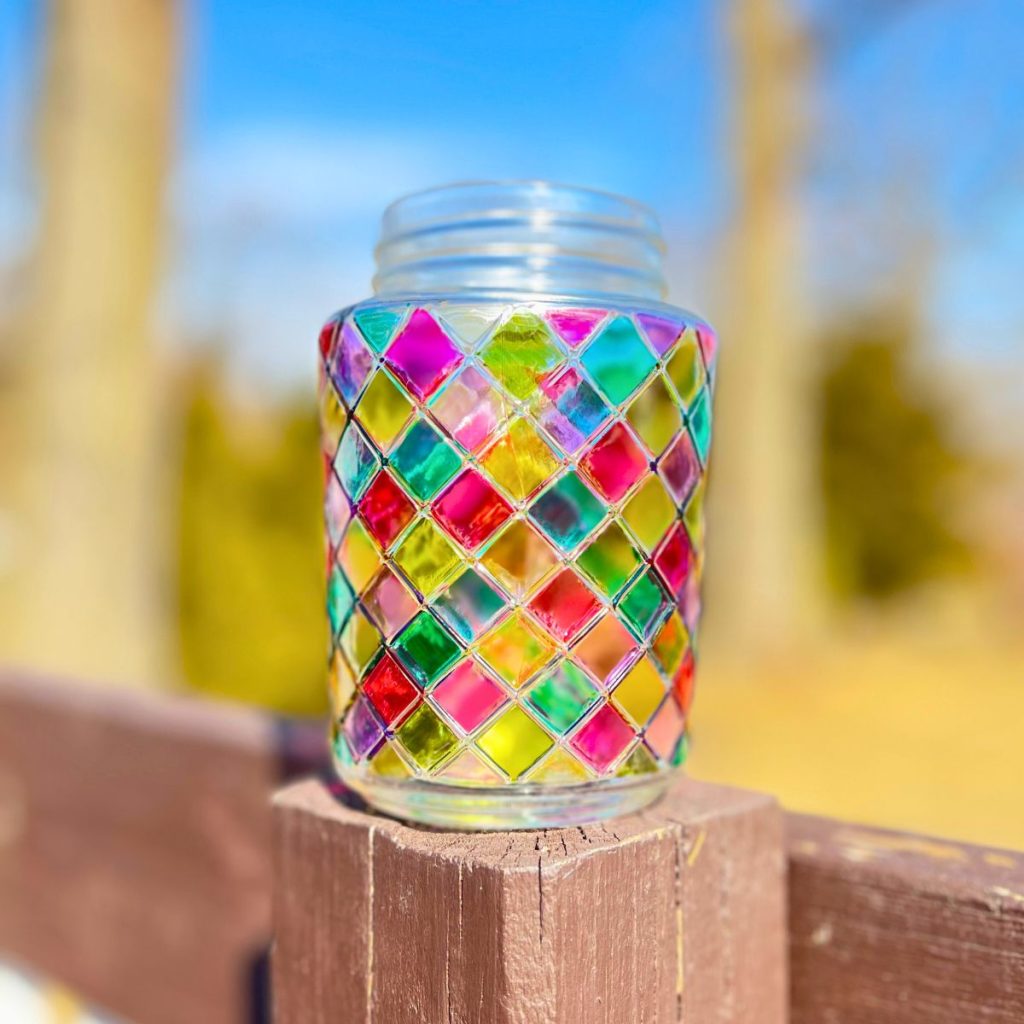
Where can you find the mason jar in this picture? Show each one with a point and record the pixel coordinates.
(515, 436)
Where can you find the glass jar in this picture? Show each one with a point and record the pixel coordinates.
(515, 434)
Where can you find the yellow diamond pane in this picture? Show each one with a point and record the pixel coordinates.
(516, 650)
(640, 692)
(470, 770)
(520, 461)
(360, 640)
(670, 644)
(518, 558)
(358, 556)
(383, 410)
(559, 768)
(649, 513)
(655, 416)
(332, 420)
(427, 558)
(340, 684)
(387, 763)
(686, 368)
(515, 742)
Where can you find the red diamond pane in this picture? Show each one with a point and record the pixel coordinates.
(385, 509)
(674, 559)
(565, 606)
(390, 690)
(614, 463)
(470, 509)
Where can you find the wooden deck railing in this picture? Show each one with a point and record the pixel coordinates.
(135, 867)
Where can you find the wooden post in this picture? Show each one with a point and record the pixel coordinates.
(674, 914)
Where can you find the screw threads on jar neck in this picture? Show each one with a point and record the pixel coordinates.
(519, 237)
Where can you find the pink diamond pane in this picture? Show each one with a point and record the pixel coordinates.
(602, 739)
(468, 696)
(422, 355)
(389, 602)
(708, 342)
(470, 409)
(574, 326)
(665, 728)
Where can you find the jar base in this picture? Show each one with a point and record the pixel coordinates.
(507, 808)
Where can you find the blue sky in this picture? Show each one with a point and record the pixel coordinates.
(299, 122)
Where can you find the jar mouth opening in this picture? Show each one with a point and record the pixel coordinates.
(445, 239)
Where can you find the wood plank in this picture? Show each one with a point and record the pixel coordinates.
(891, 928)
(135, 845)
(674, 914)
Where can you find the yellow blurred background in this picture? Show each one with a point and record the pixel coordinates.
(188, 189)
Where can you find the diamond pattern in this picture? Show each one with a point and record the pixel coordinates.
(514, 529)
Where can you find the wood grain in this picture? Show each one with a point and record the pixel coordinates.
(675, 914)
(135, 846)
(891, 928)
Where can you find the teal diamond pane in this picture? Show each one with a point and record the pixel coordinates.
(378, 326)
(618, 360)
(339, 599)
(355, 461)
(567, 511)
(426, 648)
(563, 697)
(469, 605)
(425, 461)
(700, 424)
(644, 605)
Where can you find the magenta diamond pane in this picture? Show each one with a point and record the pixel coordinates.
(680, 468)
(661, 332)
(574, 326)
(470, 409)
(602, 738)
(350, 364)
(468, 696)
(422, 356)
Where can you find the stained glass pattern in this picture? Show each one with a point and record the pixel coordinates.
(514, 519)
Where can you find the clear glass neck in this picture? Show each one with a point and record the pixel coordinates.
(529, 237)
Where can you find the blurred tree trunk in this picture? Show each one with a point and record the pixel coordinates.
(87, 512)
(765, 533)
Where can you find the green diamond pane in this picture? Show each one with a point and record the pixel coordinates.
(567, 511)
(339, 599)
(618, 360)
(609, 560)
(426, 648)
(377, 326)
(520, 352)
(563, 697)
(644, 605)
(700, 424)
(355, 461)
(425, 461)
(427, 739)
(469, 605)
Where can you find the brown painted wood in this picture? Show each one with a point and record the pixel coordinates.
(675, 914)
(135, 846)
(890, 928)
